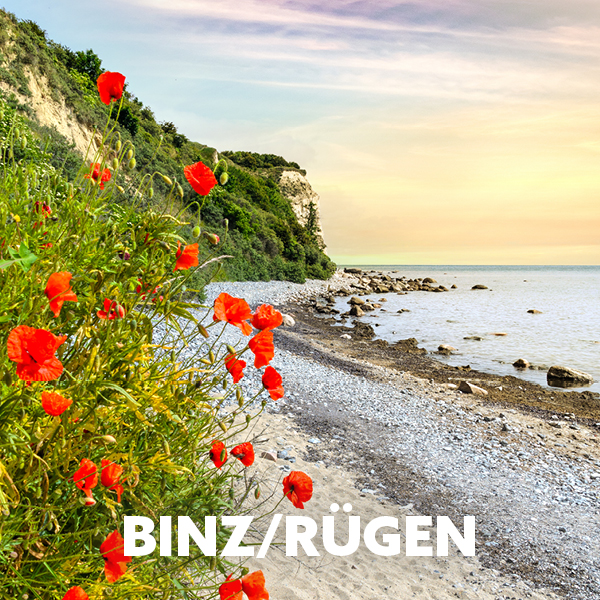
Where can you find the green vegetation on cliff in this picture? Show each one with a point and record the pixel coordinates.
(255, 222)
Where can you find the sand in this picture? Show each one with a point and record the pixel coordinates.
(361, 575)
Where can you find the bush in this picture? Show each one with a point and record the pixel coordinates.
(138, 402)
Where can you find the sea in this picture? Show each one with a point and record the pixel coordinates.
(566, 333)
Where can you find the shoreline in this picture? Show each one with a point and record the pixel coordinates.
(405, 355)
(528, 469)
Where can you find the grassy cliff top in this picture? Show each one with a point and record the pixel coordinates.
(254, 220)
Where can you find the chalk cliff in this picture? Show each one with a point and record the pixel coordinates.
(304, 200)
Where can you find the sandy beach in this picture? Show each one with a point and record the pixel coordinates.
(387, 431)
(361, 575)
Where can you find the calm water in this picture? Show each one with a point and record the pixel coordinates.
(567, 333)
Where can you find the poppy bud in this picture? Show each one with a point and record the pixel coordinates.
(167, 180)
(213, 238)
(224, 178)
(248, 419)
(166, 448)
(180, 190)
(223, 455)
(257, 493)
(226, 224)
(211, 357)
(245, 571)
(223, 426)
(150, 192)
(23, 143)
(213, 563)
(231, 493)
(230, 349)
(203, 331)
(118, 145)
(129, 154)
(121, 189)
(133, 325)
(132, 163)
(115, 164)
(205, 361)
(224, 384)
(109, 439)
(196, 231)
(240, 398)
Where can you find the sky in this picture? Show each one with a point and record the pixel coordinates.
(434, 131)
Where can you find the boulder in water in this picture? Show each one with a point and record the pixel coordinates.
(521, 363)
(356, 311)
(558, 376)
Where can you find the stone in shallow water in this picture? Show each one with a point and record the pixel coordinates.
(521, 363)
(559, 376)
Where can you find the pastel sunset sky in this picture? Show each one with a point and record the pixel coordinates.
(435, 131)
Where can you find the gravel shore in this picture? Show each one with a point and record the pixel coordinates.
(533, 482)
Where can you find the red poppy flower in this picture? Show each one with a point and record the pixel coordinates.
(112, 310)
(54, 404)
(140, 288)
(244, 453)
(218, 453)
(233, 310)
(253, 586)
(298, 487)
(76, 593)
(110, 86)
(115, 562)
(266, 317)
(186, 258)
(272, 380)
(97, 176)
(235, 367)
(200, 177)
(33, 351)
(58, 291)
(43, 208)
(262, 346)
(111, 476)
(86, 478)
(231, 589)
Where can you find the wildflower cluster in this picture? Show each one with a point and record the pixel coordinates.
(102, 415)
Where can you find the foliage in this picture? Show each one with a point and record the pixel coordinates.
(138, 400)
(255, 221)
(253, 160)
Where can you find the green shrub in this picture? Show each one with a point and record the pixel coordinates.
(137, 400)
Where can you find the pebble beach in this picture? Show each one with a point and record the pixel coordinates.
(392, 440)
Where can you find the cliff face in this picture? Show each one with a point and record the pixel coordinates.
(51, 113)
(304, 200)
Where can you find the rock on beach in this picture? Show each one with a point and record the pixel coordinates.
(468, 388)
